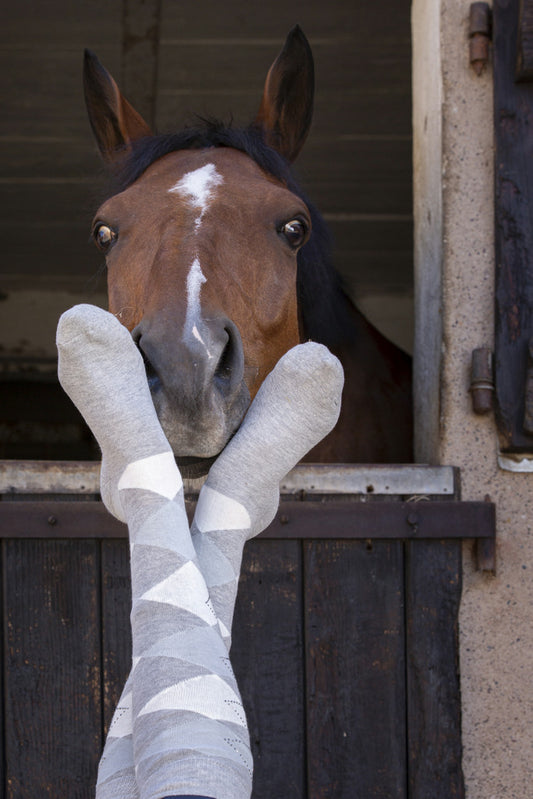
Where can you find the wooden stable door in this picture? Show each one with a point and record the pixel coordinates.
(344, 640)
(513, 127)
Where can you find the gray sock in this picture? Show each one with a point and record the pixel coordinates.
(189, 729)
(296, 406)
(97, 359)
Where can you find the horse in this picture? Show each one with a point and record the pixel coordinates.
(217, 263)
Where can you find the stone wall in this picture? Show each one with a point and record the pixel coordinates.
(454, 252)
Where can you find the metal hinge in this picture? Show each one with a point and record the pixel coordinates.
(480, 33)
(482, 380)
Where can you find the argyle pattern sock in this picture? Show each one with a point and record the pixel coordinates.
(295, 408)
(297, 405)
(189, 728)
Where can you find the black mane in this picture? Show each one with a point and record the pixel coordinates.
(322, 302)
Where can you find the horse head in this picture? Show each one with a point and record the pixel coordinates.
(201, 239)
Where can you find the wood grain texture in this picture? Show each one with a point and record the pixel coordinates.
(355, 670)
(52, 657)
(513, 119)
(346, 652)
(524, 66)
(3, 780)
(267, 655)
(433, 593)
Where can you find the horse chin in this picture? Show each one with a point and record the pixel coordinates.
(193, 468)
(198, 439)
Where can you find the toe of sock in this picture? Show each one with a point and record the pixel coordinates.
(89, 321)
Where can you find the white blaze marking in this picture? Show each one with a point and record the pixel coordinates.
(198, 337)
(197, 187)
(195, 278)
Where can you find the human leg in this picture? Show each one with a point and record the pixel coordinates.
(189, 729)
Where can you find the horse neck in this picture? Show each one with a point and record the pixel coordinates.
(375, 424)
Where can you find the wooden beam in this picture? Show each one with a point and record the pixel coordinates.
(83, 477)
(294, 520)
(140, 51)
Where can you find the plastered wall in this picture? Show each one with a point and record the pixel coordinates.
(454, 251)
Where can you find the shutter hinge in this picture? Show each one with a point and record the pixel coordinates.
(480, 33)
(482, 380)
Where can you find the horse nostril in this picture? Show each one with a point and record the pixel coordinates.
(151, 374)
(229, 371)
(223, 370)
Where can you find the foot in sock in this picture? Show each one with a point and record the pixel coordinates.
(103, 373)
(296, 406)
(189, 729)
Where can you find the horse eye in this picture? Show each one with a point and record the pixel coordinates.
(104, 237)
(295, 232)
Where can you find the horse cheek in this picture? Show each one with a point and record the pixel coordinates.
(124, 298)
(279, 328)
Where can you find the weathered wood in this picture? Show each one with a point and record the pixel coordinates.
(524, 65)
(140, 49)
(3, 780)
(267, 654)
(355, 670)
(513, 114)
(336, 520)
(83, 477)
(332, 678)
(52, 679)
(116, 629)
(433, 593)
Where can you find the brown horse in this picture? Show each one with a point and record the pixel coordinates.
(218, 265)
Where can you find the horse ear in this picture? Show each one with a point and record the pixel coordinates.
(287, 106)
(115, 123)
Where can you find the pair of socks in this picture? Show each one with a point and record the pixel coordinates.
(179, 728)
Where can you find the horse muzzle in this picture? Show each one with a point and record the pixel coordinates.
(196, 378)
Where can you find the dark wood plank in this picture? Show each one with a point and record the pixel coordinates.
(433, 593)
(369, 175)
(52, 661)
(524, 65)
(29, 160)
(116, 628)
(267, 654)
(513, 119)
(42, 92)
(70, 27)
(361, 50)
(358, 110)
(215, 64)
(355, 670)
(140, 51)
(3, 780)
(336, 520)
(339, 19)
